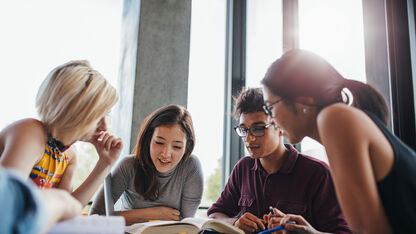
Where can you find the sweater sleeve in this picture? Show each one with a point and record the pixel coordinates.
(193, 187)
(120, 178)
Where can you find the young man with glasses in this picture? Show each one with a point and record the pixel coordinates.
(275, 175)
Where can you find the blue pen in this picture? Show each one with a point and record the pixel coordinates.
(275, 229)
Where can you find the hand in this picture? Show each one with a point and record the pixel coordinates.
(277, 215)
(164, 213)
(301, 226)
(108, 147)
(249, 223)
(60, 204)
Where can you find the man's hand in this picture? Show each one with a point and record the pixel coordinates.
(280, 218)
(249, 223)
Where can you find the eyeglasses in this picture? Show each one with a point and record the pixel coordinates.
(268, 108)
(257, 131)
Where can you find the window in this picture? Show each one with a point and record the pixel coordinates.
(40, 35)
(206, 90)
(334, 30)
(264, 38)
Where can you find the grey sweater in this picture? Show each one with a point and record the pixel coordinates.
(180, 188)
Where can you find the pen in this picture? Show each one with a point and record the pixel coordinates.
(271, 209)
(276, 228)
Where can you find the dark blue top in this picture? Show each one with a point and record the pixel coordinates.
(398, 190)
(302, 186)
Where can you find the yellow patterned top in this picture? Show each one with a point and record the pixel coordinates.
(50, 169)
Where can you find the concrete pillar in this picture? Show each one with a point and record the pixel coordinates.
(154, 61)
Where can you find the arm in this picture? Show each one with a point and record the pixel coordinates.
(347, 146)
(192, 189)
(108, 149)
(24, 144)
(120, 178)
(191, 197)
(60, 205)
(298, 224)
(247, 222)
(226, 207)
(30, 210)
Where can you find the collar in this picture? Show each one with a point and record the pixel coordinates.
(287, 165)
(54, 142)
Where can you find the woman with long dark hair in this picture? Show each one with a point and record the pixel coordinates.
(373, 171)
(162, 180)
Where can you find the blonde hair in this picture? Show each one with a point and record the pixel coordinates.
(72, 99)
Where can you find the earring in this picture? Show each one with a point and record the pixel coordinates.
(305, 111)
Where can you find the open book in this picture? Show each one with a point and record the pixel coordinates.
(187, 225)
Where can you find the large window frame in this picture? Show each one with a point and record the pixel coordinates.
(389, 31)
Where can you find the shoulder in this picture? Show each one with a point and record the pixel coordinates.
(312, 170)
(340, 114)
(128, 162)
(244, 163)
(26, 127)
(192, 162)
(312, 164)
(191, 165)
(27, 131)
(125, 169)
(342, 122)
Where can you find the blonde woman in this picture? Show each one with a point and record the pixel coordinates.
(72, 103)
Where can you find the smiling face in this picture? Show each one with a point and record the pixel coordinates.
(288, 118)
(261, 146)
(167, 146)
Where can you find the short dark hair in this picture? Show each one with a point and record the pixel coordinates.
(248, 101)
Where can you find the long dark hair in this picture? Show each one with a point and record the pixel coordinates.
(146, 180)
(302, 73)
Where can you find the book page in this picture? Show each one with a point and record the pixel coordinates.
(199, 222)
(222, 227)
(167, 227)
(215, 224)
(90, 225)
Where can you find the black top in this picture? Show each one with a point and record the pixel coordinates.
(398, 190)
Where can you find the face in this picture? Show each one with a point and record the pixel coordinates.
(100, 126)
(260, 146)
(167, 146)
(291, 123)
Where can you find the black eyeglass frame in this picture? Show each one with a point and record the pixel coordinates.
(268, 108)
(251, 130)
